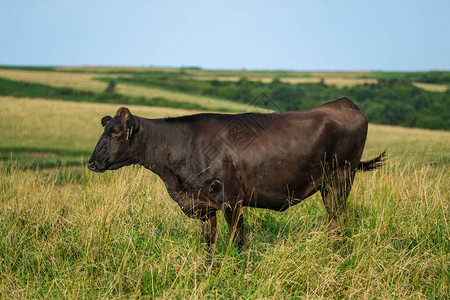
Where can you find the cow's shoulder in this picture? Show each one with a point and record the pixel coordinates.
(340, 103)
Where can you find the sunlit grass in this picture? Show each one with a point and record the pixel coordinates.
(82, 81)
(329, 80)
(68, 232)
(432, 87)
(409, 145)
(208, 102)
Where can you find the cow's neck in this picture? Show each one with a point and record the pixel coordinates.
(161, 146)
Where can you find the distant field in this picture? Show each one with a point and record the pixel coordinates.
(432, 87)
(209, 102)
(87, 81)
(82, 77)
(58, 79)
(340, 82)
(339, 79)
(66, 232)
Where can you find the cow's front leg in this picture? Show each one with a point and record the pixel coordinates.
(235, 220)
(209, 227)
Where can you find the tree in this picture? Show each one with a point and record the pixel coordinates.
(111, 88)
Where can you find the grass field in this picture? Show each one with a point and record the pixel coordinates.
(431, 87)
(340, 82)
(66, 232)
(57, 79)
(87, 81)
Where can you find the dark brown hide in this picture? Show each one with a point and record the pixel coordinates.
(212, 162)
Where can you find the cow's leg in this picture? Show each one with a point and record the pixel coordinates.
(209, 227)
(335, 192)
(235, 220)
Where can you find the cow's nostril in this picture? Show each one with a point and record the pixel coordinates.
(91, 166)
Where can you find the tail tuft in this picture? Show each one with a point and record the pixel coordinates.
(372, 164)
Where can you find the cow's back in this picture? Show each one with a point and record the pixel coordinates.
(335, 129)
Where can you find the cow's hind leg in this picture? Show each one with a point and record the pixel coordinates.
(235, 220)
(209, 227)
(335, 190)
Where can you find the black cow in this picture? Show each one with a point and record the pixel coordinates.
(212, 162)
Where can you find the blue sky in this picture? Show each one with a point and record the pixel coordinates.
(294, 35)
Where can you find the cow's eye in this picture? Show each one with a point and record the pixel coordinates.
(116, 129)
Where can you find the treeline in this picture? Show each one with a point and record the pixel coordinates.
(438, 77)
(392, 100)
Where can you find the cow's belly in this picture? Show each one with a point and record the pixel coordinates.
(280, 197)
(278, 184)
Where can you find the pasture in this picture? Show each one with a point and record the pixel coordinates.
(66, 232)
(87, 81)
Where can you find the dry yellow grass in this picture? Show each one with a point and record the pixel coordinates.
(348, 75)
(431, 87)
(409, 144)
(340, 82)
(209, 102)
(220, 78)
(106, 69)
(57, 79)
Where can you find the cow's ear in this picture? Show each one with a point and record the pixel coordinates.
(105, 120)
(132, 128)
(128, 121)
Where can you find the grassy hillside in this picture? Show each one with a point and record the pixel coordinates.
(68, 232)
(88, 82)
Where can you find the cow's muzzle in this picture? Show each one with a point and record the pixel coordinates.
(93, 166)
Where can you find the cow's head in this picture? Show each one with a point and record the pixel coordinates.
(115, 147)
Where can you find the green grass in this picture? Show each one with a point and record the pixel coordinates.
(70, 232)
(66, 232)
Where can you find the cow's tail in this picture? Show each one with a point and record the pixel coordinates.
(372, 164)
